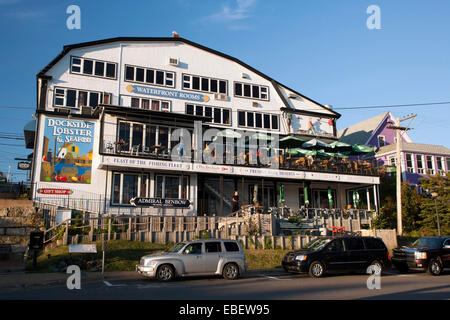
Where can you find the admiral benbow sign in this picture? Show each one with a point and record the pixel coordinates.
(192, 96)
(158, 202)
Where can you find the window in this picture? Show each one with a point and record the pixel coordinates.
(64, 97)
(148, 75)
(193, 248)
(440, 165)
(169, 187)
(409, 163)
(355, 244)
(448, 164)
(420, 164)
(218, 115)
(127, 186)
(430, 165)
(212, 247)
(251, 91)
(205, 84)
(381, 141)
(93, 67)
(147, 104)
(335, 246)
(258, 120)
(372, 243)
(392, 161)
(231, 246)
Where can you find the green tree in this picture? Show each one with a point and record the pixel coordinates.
(387, 217)
(440, 185)
(411, 201)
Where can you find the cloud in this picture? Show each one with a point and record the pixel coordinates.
(238, 13)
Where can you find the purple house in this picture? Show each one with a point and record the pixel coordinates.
(417, 159)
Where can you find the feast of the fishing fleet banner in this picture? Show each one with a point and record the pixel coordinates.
(67, 151)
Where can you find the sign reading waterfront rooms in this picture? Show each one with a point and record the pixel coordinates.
(191, 96)
(67, 151)
(158, 202)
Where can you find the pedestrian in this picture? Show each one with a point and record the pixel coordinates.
(236, 201)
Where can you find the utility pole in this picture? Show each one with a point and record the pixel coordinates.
(400, 129)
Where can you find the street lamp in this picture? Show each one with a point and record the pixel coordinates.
(434, 195)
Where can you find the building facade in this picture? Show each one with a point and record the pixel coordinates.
(111, 115)
(417, 160)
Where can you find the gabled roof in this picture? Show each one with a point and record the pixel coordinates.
(416, 148)
(361, 132)
(68, 48)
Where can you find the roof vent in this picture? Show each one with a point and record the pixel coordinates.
(292, 96)
(173, 62)
(245, 75)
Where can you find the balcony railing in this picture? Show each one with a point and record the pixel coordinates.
(114, 146)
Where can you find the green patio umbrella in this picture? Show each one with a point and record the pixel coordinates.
(323, 154)
(358, 149)
(330, 197)
(316, 144)
(291, 142)
(355, 199)
(281, 201)
(228, 133)
(261, 136)
(340, 146)
(305, 192)
(302, 152)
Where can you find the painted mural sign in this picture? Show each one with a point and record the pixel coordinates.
(312, 125)
(191, 96)
(67, 151)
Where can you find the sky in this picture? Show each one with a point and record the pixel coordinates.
(322, 49)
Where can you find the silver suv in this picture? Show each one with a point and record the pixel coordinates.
(196, 258)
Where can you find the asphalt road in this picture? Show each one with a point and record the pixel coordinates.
(252, 286)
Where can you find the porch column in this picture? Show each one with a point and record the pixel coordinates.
(242, 191)
(368, 198)
(375, 198)
(221, 195)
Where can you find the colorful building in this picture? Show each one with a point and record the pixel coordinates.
(122, 108)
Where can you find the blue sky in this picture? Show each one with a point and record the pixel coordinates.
(321, 48)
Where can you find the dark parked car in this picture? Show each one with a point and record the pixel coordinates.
(427, 253)
(341, 254)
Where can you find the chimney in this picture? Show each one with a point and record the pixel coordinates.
(175, 34)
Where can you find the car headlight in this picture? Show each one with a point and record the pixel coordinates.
(150, 263)
(420, 255)
(301, 257)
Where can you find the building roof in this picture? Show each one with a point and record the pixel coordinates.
(416, 148)
(68, 48)
(361, 132)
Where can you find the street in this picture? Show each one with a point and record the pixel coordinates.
(252, 286)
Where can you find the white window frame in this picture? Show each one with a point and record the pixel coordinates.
(422, 169)
(168, 76)
(139, 190)
(180, 185)
(409, 169)
(431, 170)
(212, 113)
(77, 97)
(160, 103)
(266, 88)
(81, 66)
(262, 117)
(190, 82)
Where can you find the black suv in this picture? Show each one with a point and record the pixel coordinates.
(427, 253)
(340, 254)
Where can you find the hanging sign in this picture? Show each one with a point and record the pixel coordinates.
(191, 96)
(159, 202)
(54, 191)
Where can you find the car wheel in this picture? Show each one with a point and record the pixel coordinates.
(230, 271)
(316, 269)
(375, 265)
(401, 267)
(435, 267)
(165, 273)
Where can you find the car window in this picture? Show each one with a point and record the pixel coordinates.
(213, 247)
(193, 248)
(335, 246)
(355, 244)
(372, 243)
(231, 246)
(447, 242)
(433, 243)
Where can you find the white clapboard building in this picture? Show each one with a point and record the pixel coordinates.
(107, 134)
